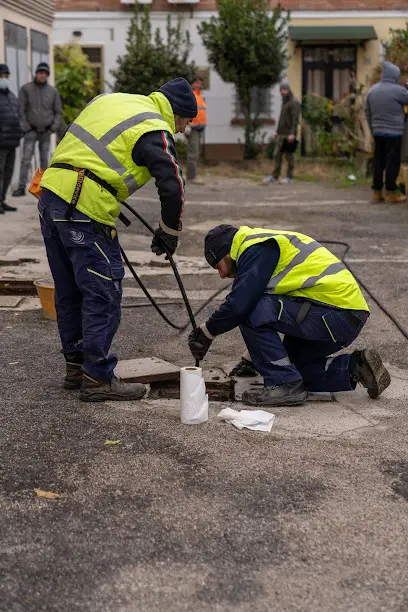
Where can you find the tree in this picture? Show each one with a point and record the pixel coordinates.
(74, 80)
(246, 44)
(396, 50)
(149, 61)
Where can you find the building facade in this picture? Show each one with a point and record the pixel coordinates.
(330, 43)
(25, 37)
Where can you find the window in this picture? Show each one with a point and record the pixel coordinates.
(329, 70)
(39, 48)
(95, 62)
(15, 38)
(261, 103)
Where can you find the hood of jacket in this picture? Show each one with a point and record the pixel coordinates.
(391, 73)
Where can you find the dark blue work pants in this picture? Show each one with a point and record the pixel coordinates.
(305, 350)
(86, 264)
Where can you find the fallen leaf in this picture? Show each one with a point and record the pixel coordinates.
(47, 494)
(111, 442)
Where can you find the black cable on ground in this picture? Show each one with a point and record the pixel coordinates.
(192, 315)
(380, 305)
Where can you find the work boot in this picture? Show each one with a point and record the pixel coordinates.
(394, 197)
(378, 196)
(73, 377)
(8, 208)
(18, 193)
(288, 394)
(116, 390)
(243, 368)
(366, 367)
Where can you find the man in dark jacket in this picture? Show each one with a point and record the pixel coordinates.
(41, 111)
(285, 135)
(287, 283)
(386, 119)
(10, 134)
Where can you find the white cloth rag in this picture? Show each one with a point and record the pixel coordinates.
(258, 420)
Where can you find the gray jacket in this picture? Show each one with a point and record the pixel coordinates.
(40, 108)
(385, 103)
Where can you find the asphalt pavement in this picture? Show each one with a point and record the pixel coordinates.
(311, 517)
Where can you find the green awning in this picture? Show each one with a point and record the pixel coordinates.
(338, 33)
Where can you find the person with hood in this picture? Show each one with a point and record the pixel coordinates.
(115, 145)
(285, 136)
(287, 283)
(10, 135)
(41, 113)
(386, 119)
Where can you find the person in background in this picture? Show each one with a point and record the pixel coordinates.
(41, 112)
(386, 119)
(195, 132)
(10, 135)
(285, 135)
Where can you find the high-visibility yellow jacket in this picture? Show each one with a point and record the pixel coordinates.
(305, 268)
(101, 139)
(201, 118)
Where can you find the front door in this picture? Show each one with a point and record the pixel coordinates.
(328, 70)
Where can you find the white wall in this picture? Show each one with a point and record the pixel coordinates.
(110, 30)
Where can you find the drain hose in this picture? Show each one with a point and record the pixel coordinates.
(176, 274)
(192, 315)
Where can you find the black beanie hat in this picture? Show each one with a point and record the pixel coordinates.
(181, 97)
(42, 66)
(4, 69)
(217, 243)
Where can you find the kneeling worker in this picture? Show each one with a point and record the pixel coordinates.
(116, 144)
(287, 283)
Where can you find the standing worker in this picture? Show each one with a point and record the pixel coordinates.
(195, 132)
(41, 112)
(386, 119)
(285, 136)
(287, 283)
(10, 135)
(116, 145)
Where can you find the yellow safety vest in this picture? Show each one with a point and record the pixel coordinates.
(101, 139)
(305, 268)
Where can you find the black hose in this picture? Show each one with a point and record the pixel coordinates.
(192, 315)
(347, 248)
(176, 274)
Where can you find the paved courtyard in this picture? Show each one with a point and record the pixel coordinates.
(312, 516)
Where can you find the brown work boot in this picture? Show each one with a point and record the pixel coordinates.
(378, 196)
(116, 390)
(394, 197)
(367, 368)
(73, 376)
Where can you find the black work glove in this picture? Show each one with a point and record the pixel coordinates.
(198, 343)
(161, 237)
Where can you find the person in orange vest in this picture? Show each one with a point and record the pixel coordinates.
(195, 132)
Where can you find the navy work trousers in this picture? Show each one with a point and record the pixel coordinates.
(86, 264)
(305, 350)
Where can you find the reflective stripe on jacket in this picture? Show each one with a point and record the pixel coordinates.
(305, 268)
(201, 118)
(101, 139)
